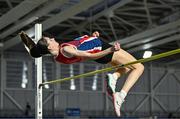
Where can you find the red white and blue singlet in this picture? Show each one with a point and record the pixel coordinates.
(84, 43)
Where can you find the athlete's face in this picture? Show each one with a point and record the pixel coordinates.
(50, 41)
(53, 46)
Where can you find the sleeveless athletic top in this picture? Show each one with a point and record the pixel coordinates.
(84, 43)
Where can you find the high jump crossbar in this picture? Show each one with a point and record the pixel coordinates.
(158, 56)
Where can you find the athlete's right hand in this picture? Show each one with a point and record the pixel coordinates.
(116, 47)
(95, 34)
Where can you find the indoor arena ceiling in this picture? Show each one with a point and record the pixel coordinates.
(137, 24)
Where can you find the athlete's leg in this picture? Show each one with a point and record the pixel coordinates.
(123, 57)
(112, 78)
(119, 72)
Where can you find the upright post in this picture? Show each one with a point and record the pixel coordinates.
(38, 67)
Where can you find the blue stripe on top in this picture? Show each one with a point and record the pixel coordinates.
(90, 45)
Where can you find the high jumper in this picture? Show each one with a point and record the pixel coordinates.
(86, 48)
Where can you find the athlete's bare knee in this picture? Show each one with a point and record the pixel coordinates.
(140, 67)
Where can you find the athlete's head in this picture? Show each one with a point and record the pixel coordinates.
(40, 49)
(46, 45)
(49, 45)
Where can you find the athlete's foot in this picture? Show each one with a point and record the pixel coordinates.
(117, 102)
(28, 42)
(110, 84)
